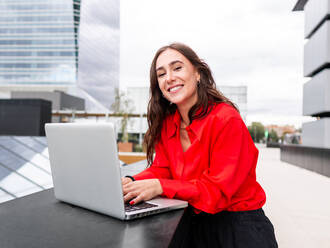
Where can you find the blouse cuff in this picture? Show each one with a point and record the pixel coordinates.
(168, 191)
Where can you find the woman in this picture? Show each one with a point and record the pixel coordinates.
(204, 155)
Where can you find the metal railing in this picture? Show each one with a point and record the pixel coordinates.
(73, 114)
(84, 114)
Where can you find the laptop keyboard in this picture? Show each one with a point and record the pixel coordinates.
(139, 206)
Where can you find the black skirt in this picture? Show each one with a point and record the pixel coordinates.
(246, 229)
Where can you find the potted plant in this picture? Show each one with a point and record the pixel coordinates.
(123, 107)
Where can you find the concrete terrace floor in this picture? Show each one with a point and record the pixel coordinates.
(298, 201)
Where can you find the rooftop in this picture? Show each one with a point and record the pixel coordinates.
(298, 200)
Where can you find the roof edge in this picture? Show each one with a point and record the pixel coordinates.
(300, 5)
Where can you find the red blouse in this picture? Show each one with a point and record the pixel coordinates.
(217, 171)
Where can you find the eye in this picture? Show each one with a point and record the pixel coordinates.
(160, 75)
(178, 68)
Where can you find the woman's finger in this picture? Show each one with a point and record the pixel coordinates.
(130, 196)
(139, 198)
(125, 180)
(142, 190)
(129, 187)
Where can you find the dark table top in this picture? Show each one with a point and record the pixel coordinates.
(39, 220)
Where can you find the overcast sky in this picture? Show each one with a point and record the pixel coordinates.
(256, 43)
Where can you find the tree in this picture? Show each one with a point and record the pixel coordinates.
(122, 106)
(273, 137)
(257, 131)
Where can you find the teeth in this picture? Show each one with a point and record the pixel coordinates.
(175, 88)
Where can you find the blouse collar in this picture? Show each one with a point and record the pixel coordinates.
(173, 125)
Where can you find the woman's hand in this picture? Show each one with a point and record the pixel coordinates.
(125, 180)
(141, 190)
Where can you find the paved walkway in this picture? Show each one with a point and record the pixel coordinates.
(298, 201)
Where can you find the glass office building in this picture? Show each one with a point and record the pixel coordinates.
(39, 42)
(99, 40)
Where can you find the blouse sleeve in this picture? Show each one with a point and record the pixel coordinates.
(159, 167)
(232, 157)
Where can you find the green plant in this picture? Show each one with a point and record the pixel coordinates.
(137, 148)
(273, 137)
(122, 106)
(257, 131)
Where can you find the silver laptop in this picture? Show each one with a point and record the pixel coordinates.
(86, 171)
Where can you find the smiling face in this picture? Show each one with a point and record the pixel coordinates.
(177, 78)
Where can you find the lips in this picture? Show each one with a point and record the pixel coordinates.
(175, 88)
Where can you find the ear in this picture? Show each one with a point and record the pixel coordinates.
(198, 76)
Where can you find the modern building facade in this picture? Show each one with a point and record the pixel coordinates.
(60, 101)
(314, 153)
(237, 94)
(38, 42)
(316, 93)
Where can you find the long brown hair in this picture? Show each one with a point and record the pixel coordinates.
(159, 107)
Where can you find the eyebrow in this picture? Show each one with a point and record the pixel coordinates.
(172, 63)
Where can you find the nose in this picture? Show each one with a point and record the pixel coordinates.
(169, 77)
